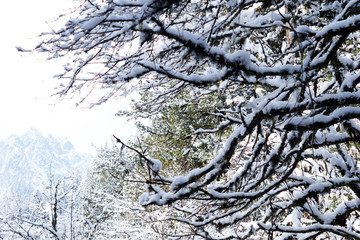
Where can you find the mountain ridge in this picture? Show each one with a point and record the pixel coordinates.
(28, 162)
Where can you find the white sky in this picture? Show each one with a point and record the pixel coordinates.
(27, 83)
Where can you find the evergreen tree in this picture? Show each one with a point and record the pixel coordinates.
(170, 134)
(108, 198)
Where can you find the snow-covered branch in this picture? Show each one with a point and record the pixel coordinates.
(274, 85)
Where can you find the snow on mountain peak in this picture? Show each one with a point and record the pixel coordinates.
(27, 162)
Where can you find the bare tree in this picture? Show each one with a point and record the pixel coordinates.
(46, 215)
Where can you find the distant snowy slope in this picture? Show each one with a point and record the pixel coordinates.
(28, 161)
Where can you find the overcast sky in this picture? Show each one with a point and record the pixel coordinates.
(27, 83)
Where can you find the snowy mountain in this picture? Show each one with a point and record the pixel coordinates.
(28, 161)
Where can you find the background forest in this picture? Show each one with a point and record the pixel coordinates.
(248, 118)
